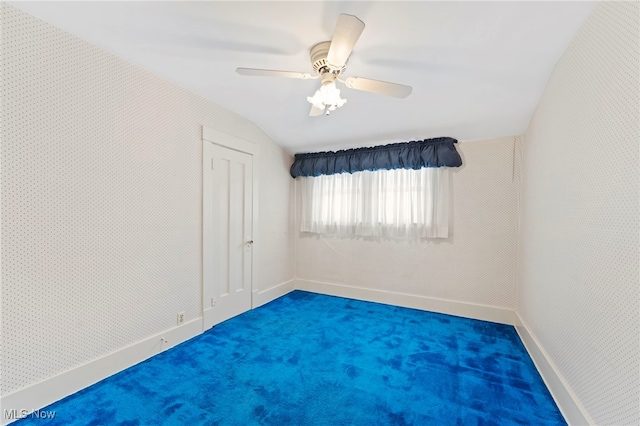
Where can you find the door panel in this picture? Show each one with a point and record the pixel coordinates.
(227, 242)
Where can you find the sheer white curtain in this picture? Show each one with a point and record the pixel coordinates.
(388, 203)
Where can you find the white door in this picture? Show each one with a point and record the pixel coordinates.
(227, 228)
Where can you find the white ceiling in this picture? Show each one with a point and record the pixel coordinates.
(477, 68)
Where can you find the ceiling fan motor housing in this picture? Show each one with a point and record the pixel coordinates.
(319, 59)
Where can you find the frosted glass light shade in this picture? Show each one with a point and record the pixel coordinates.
(327, 96)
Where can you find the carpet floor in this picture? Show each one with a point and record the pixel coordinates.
(310, 359)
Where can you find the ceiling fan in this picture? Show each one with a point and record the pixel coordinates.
(328, 60)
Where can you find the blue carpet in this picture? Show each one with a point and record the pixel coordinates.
(310, 359)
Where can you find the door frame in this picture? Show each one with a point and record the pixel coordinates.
(216, 137)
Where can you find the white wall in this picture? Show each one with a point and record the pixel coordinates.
(475, 265)
(101, 202)
(578, 281)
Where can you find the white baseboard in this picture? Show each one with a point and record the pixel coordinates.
(55, 388)
(572, 410)
(265, 296)
(451, 307)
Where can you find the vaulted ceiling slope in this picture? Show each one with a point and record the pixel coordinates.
(477, 68)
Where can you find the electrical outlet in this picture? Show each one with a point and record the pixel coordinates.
(180, 318)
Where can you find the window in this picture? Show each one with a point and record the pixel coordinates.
(387, 203)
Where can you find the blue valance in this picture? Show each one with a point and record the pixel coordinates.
(436, 152)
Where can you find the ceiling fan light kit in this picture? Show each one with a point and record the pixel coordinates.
(328, 60)
(327, 98)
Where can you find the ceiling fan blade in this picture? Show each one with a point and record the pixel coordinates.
(315, 111)
(379, 87)
(274, 73)
(345, 36)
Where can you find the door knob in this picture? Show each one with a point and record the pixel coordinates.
(250, 242)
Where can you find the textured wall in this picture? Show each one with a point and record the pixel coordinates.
(476, 264)
(578, 283)
(101, 201)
